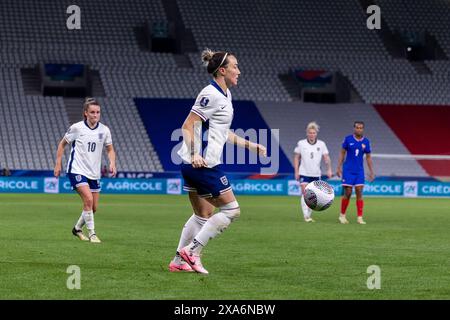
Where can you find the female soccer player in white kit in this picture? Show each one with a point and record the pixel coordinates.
(87, 139)
(308, 155)
(205, 181)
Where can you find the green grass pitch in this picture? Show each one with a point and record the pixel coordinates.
(269, 253)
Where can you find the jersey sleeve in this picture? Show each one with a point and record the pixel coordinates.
(204, 105)
(298, 149)
(108, 138)
(367, 149)
(345, 144)
(71, 134)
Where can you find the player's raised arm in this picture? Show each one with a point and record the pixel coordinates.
(192, 120)
(59, 153)
(252, 146)
(340, 162)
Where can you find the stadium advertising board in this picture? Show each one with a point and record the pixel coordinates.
(244, 186)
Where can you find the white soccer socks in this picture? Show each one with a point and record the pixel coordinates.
(190, 229)
(306, 210)
(215, 226)
(80, 223)
(88, 217)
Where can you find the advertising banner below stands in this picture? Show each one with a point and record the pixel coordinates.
(434, 189)
(260, 187)
(125, 186)
(51, 185)
(21, 185)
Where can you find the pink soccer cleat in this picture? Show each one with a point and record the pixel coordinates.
(193, 260)
(179, 267)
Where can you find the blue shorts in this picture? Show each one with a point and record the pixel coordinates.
(207, 182)
(77, 180)
(306, 180)
(351, 179)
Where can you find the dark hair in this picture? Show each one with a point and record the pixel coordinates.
(358, 122)
(215, 60)
(87, 103)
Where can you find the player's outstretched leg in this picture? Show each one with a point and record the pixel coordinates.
(212, 228)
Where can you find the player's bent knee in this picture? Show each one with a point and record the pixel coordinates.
(231, 210)
(203, 213)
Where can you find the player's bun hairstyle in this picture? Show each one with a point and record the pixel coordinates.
(89, 102)
(213, 60)
(313, 125)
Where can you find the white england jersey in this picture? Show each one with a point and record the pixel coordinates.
(211, 104)
(311, 157)
(87, 146)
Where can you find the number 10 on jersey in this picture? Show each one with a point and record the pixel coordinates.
(91, 146)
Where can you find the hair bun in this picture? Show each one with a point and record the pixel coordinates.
(207, 55)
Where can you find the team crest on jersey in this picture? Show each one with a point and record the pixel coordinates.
(363, 146)
(100, 136)
(204, 101)
(318, 148)
(224, 180)
(78, 178)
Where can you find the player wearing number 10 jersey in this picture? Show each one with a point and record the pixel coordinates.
(87, 139)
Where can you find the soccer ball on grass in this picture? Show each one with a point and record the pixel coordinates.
(319, 195)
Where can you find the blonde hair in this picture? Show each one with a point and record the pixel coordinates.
(313, 126)
(87, 103)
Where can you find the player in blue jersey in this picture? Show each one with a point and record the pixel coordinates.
(204, 179)
(354, 148)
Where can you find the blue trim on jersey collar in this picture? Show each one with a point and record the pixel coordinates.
(215, 85)
(85, 122)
